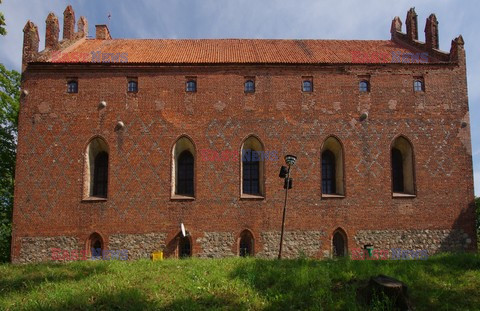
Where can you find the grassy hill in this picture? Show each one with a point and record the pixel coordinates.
(443, 282)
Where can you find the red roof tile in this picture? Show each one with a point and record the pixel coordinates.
(239, 51)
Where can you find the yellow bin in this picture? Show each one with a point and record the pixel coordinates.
(157, 256)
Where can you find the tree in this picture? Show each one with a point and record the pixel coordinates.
(477, 203)
(3, 32)
(9, 105)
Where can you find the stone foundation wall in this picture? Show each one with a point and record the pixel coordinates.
(217, 244)
(138, 245)
(431, 240)
(37, 249)
(295, 244)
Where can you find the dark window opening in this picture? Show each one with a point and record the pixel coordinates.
(132, 86)
(96, 246)
(72, 86)
(418, 86)
(184, 247)
(246, 244)
(338, 245)
(191, 86)
(397, 171)
(249, 86)
(251, 173)
(100, 175)
(185, 174)
(364, 86)
(328, 172)
(307, 86)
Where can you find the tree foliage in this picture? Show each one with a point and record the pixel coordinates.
(477, 203)
(9, 105)
(3, 31)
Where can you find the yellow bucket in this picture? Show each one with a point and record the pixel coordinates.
(157, 256)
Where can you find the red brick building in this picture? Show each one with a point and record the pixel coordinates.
(122, 140)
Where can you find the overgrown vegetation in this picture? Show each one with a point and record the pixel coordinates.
(477, 203)
(9, 105)
(443, 282)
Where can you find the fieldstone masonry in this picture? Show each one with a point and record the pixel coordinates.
(216, 244)
(138, 245)
(295, 244)
(431, 240)
(36, 249)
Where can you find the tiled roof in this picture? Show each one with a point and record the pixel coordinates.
(238, 51)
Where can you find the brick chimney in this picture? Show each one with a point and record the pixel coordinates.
(412, 25)
(82, 27)
(102, 32)
(31, 41)
(431, 32)
(68, 23)
(52, 32)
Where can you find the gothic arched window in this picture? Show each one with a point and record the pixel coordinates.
(185, 174)
(402, 167)
(100, 178)
(332, 168)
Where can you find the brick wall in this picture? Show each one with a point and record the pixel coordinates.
(55, 128)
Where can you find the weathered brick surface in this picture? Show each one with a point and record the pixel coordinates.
(55, 128)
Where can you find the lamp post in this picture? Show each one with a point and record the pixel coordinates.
(285, 173)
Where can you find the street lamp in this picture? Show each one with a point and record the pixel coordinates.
(285, 173)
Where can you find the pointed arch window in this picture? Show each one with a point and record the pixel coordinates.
(252, 167)
(184, 247)
(328, 172)
(339, 244)
(183, 170)
(96, 170)
(332, 168)
(95, 246)
(100, 178)
(185, 174)
(402, 167)
(246, 244)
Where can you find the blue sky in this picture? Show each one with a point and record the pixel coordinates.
(340, 19)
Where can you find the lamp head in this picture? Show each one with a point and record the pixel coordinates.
(290, 159)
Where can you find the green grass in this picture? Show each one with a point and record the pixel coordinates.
(443, 282)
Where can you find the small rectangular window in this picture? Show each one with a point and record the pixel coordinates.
(249, 85)
(307, 84)
(364, 84)
(132, 85)
(418, 84)
(72, 85)
(191, 84)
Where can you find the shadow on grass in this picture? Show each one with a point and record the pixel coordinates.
(126, 299)
(300, 284)
(442, 282)
(205, 303)
(23, 278)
